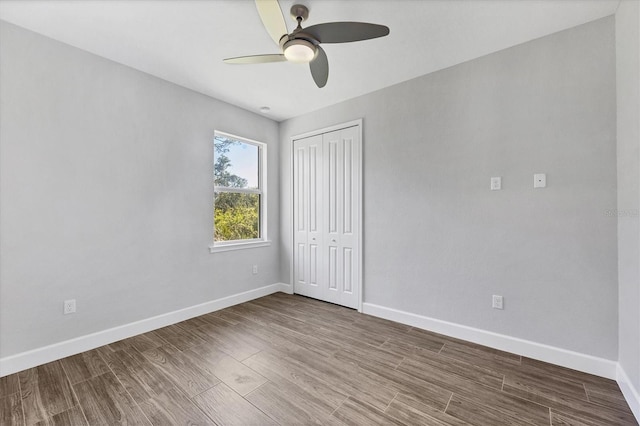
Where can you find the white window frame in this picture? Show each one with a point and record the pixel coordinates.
(218, 246)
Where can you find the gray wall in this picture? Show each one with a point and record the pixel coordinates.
(105, 194)
(439, 243)
(628, 135)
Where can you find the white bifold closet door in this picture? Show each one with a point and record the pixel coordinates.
(327, 216)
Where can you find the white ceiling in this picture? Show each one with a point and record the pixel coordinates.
(184, 41)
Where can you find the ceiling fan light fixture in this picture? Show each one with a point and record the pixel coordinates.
(299, 51)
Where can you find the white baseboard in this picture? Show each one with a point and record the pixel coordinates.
(631, 394)
(565, 358)
(22, 361)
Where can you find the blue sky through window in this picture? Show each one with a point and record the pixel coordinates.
(244, 162)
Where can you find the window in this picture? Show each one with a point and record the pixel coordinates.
(239, 203)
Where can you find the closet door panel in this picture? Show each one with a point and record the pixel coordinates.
(315, 215)
(308, 239)
(347, 238)
(300, 201)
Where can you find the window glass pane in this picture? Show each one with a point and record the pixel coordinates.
(236, 216)
(235, 163)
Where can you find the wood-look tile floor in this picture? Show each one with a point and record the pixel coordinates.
(290, 360)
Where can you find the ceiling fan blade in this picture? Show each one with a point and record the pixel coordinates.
(344, 32)
(255, 59)
(272, 19)
(320, 68)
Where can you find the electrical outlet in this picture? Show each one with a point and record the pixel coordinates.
(497, 302)
(255, 270)
(69, 306)
(496, 183)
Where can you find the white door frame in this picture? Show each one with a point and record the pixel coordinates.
(354, 123)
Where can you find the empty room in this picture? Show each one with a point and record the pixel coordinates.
(288, 212)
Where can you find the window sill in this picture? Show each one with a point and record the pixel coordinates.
(238, 246)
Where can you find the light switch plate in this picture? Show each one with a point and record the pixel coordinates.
(496, 183)
(540, 180)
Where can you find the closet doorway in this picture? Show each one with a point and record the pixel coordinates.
(327, 214)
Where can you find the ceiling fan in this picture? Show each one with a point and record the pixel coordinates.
(303, 44)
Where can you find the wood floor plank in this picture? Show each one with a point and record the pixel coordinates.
(428, 393)
(9, 385)
(285, 404)
(73, 416)
(313, 315)
(412, 412)
(217, 316)
(558, 419)
(339, 332)
(283, 321)
(277, 370)
(285, 339)
(238, 376)
(405, 349)
(286, 298)
(11, 412)
(281, 340)
(343, 340)
(383, 331)
(179, 336)
(207, 354)
(465, 370)
(368, 353)
(324, 307)
(279, 308)
(607, 397)
(585, 411)
(422, 341)
(244, 312)
(227, 341)
(312, 341)
(141, 343)
(416, 332)
(534, 366)
(105, 401)
(45, 391)
(480, 414)
(129, 356)
(469, 371)
(182, 371)
(172, 407)
(194, 322)
(106, 352)
(376, 323)
(499, 361)
(84, 366)
(317, 310)
(572, 417)
(140, 377)
(226, 407)
(266, 337)
(511, 405)
(545, 384)
(345, 378)
(354, 412)
(228, 315)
